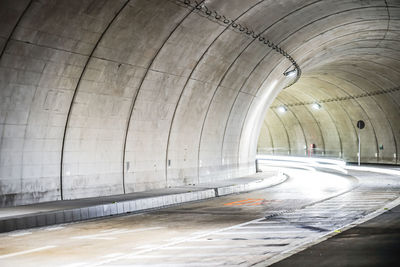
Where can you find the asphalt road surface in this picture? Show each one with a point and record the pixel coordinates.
(254, 228)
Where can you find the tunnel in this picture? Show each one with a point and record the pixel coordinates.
(104, 98)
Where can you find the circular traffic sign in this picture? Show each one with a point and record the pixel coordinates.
(360, 124)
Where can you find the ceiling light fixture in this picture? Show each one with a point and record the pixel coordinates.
(290, 73)
(316, 106)
(282, 109)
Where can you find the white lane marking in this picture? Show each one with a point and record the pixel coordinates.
(271, 227)
(20, 234)
(112, 255)
(77, 264)
(144, 247)
(110, 230)
(106, 235)
(274, 233)
(257, 239)
(195, 264)
(25, 252)
(205, 247)
(197, 255)
(98, 238)
(155, 248)
(55, 228)
(198, 233)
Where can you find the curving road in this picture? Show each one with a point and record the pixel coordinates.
(255, 228)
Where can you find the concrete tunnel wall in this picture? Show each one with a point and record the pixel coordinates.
(109, 97)
(353, 76)
(332, 128)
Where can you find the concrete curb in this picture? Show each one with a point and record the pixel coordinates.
(42, 219)
(262, 183)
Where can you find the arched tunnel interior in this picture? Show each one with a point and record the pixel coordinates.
(199, 132)
(110, 97)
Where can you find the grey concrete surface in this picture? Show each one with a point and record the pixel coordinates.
(100, 98)
(373, 243)
(59, 212)
(235, 230)
(353, 75)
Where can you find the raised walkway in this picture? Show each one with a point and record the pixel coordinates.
(66, 211)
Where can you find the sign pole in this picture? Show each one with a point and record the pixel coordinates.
(359, 148)
(360, 125)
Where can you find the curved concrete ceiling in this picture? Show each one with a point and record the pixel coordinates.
(107, 97)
